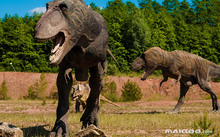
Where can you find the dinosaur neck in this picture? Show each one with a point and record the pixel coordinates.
(92, 25)
(214, 71)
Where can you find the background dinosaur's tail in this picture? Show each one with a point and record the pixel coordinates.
(106, 100)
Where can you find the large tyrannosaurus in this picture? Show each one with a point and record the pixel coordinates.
(187, 68)
(80, 38)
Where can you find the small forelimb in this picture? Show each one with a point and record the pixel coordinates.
(66, 75)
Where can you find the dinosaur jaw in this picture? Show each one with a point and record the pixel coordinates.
(57, 52)
(136, 68)
(60, 47)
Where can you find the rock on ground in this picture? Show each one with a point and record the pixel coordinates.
(7, 130)
(91, 131)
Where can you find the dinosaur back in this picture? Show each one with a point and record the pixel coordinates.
(156, 56)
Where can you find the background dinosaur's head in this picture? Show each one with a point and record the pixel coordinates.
(80, 90)
(62, 23)
(138, 63)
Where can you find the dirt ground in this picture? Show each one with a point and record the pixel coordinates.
(19, 82)
(132, 119)
(146, 117)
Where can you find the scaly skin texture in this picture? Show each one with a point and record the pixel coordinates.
(185, 67)
(80, 38)
(81, 93)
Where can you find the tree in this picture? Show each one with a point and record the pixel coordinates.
(115, 14)
(132, 30)
(186, 12)
(1, 48)
(163, 32)
(171, 5)
(137, 36)
(206, 11)
(145, 4)
(94, 7)
(19, 46)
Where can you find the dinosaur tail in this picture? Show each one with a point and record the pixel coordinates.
(106, 100)
(110, 53)
(214, 71)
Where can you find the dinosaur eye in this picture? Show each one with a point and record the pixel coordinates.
(47, 6)
(63, 7)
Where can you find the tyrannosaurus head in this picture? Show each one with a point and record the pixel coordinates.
(62, 23)
(138, 63)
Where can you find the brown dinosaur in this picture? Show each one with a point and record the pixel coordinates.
(81, 93)
(80, 39)
(185, 67)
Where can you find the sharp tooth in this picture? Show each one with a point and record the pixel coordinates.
(56, 48)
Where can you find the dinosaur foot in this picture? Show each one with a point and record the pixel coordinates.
(172, 112)
(91, 131)
(58, 134)
(215, 111)
(60, 130)
(142, 78)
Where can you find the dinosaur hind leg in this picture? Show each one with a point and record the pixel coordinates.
(165, 78)
(183, 91)
(64, 86)
(96, 83)
(206, 86)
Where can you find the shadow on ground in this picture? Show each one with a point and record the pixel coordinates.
(37, 131)
(136, 112)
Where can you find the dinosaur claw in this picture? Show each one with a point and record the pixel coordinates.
(66, 75)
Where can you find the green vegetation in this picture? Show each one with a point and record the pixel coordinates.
(53, 92)
(112, 69)
(38, 90)
(3, 91)
(131, 91)
(204, 125)
(109, 91)
(132, 30)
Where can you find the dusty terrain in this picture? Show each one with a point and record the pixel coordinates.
(137, 119)
(145, 117)
(18, 84)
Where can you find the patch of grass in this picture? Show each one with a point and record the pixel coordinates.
(207, 97)
(131, 119)
(205, 126)
(216, 80)
(109, 91)
(156, 97)
(44, 102)
(37, 91)
(3, 91)
(131, 91)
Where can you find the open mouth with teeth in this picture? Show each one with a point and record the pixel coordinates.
(58, 42)
(58, 49)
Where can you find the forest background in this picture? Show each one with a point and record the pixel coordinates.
(172, 25)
